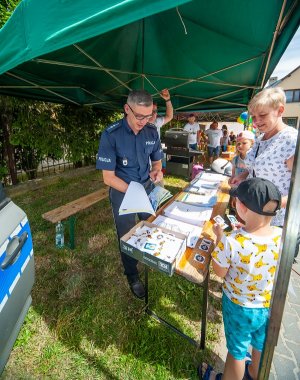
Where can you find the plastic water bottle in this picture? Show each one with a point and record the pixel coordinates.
(59, 235)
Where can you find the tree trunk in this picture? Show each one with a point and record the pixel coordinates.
(8, 148)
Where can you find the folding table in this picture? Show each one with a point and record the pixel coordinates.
(194, 271)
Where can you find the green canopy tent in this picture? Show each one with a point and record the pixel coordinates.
(210, 54)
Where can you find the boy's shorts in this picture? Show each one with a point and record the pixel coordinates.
(243, 326)
(213, 151)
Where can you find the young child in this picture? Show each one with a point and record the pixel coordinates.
(247, 259)
(224, 140)
(244, 142)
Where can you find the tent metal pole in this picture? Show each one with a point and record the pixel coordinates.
(273, 43)
(206, 100)
(143, 53)
(42, 87)
(288, 247)
(216, 101)
(99, 65)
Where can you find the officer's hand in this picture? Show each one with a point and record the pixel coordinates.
(156, 176)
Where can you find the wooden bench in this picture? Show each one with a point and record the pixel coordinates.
(68, 211)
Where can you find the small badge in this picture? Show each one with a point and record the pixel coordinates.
(125, 161)
(199, 258)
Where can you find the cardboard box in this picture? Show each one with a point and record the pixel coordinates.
(146, 258)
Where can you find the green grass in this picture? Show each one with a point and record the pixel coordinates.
(84, 323)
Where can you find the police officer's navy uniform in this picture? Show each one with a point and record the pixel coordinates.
(127, 154)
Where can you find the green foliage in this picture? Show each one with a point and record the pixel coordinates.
(39, 130)
(6, 9)
(36, 128)
(81, 129)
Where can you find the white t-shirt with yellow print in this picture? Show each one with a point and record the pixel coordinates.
(251, 261)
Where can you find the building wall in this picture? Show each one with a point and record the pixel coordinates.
(292, 82)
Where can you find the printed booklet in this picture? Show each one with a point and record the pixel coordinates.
(136, 199)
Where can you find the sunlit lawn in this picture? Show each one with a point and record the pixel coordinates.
(84, 323)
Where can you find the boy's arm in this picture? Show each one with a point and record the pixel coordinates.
(218, 231)
(219, 271)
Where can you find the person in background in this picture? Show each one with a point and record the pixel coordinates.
(213, 135)
(232, 138)
(192, 127)
(247, 260)
(272, 154)
(159, 121)
(125, 151)
(224, 127)
(244, 142)
(224, 140)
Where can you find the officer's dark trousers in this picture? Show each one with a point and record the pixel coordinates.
(124, 223)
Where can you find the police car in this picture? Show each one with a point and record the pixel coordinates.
(16, 273)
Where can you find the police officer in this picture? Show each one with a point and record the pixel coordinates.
(125, 150)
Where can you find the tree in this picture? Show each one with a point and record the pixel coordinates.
(36, 134)
(82, 127)
(7, 158)
(6, 108)
(6, 9)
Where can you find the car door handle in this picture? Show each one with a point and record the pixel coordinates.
(15, 245)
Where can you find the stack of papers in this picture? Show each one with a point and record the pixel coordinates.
(198, 189)
(136, 199)
(213, 177)
(198, 199)
(188, 213)
(204, 182)
(191, 232)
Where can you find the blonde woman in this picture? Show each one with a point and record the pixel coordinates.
(272, 154)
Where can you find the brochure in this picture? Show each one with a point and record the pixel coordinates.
(136, 199)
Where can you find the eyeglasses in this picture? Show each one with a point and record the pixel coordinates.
(140, 117)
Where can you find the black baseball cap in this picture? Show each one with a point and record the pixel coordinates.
(255, 193)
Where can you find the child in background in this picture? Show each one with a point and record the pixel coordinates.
(247, 260)
(244, 142)
(224, 140)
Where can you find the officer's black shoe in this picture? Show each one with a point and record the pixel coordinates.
(136, 286)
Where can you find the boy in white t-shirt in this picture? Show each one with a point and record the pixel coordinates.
(247, 260)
